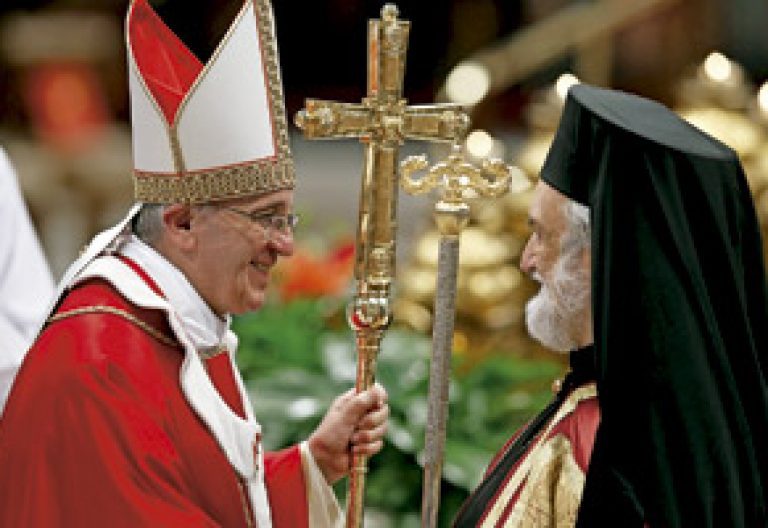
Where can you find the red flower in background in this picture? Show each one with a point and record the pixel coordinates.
(308, 275)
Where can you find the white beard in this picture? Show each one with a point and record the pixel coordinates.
(556, 314)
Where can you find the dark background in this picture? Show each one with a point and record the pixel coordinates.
(322, 42)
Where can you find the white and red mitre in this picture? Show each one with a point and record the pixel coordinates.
(210, 132)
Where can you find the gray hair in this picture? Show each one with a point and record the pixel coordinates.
(148, 224)
(577, 234)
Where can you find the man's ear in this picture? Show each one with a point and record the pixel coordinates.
(177, 219)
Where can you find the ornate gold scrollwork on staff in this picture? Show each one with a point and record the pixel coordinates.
(456, 182)
(382, 121)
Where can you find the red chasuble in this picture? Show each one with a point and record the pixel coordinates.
(97, 431)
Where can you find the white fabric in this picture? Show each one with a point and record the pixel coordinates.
(323, 507)
(151, 142)
(108, 238)
(26, 285)
(226, 118)
(204, 328)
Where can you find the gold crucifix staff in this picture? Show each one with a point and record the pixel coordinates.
(456, 181)
(382, 121)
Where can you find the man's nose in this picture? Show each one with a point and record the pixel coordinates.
(283, 242)
(527, 259)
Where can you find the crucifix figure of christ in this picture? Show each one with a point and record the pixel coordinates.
(382, 122)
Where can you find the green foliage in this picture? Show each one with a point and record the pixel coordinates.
(280, 336)
(295, 366)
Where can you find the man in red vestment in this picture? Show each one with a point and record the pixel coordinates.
(129, 409)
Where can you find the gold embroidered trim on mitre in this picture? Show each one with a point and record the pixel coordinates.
(268, 40)
(248, 179)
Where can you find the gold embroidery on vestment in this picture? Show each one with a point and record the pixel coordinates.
(211, 352)
(552, 491)
(242, 486)
(121, 313)
(526, 467)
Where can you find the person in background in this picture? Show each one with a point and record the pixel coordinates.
(26, 284)
(129, 409)
(647, 246)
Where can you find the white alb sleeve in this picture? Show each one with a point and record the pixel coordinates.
(324, 509)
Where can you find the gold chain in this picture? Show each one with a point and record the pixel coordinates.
(121, 313)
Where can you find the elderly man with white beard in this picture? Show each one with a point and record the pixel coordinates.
(557, 257)
(539, 474)
(646, 244)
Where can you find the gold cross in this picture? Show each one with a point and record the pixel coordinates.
(382, 122)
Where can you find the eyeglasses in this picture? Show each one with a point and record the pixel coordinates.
(272, 223)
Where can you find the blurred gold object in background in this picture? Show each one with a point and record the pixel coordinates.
(715, 97)
(718, 98)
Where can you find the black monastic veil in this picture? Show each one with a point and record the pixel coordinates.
(680, 306)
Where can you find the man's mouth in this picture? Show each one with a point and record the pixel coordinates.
(260, 266)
